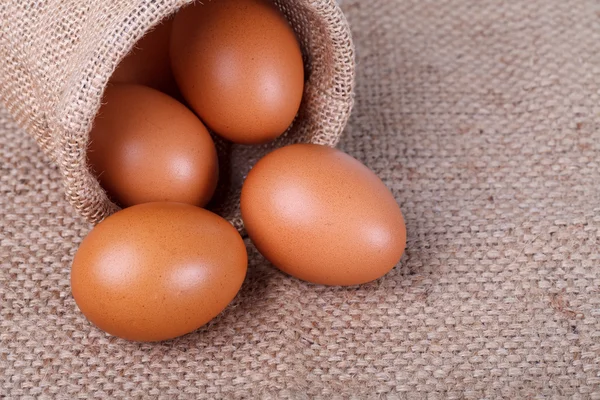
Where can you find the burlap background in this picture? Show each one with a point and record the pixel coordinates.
(483, 116)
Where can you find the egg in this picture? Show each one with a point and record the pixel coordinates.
(239, 65)
(148, 62)
(156, 271)
(145, 146)
(321, 216)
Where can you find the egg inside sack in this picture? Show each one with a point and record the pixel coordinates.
(148, 62)
(320, 215)
(146, 146)
(239, 66)
(157, 271)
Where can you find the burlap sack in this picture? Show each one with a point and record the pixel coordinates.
(56, 58)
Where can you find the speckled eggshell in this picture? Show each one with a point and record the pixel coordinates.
(320, 215)
(158, 270)
(146, 146)
(239, 66)
(148, 62)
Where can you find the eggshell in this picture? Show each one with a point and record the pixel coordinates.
(145, 146)
(148, 62)
(158, 270)
(320, 215)
(239, 66)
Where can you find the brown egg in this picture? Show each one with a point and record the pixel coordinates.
(158, 270)
(148, 62)
(145, 146)
(320, 215)
(239, 66)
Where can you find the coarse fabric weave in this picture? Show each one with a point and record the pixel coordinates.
(56, 58)
(483, 117)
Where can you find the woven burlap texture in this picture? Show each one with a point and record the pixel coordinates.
(483, 117)
(56, 59)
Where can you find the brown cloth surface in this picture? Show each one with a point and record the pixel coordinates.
(483, 117)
